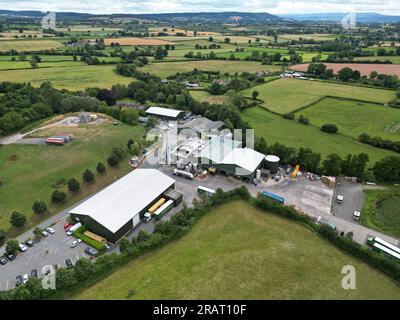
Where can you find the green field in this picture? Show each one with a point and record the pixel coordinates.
(239, 252)
(204, 96)
(30, 45)
(71, 78)
(165, 69)
(354, 118)
(382, 211)
(291, 133)
(395, 59)
(28, 172)
(287, 95)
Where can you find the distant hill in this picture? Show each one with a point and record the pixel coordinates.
(224, 17)
(337, 17)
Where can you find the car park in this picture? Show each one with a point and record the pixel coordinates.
(3, 261)
(76, 243)
(69, 263)
(25, 278)
(18, 281)
(29, 243)
(34, 273)
(91, 252)
(50, 230)
(22, 247)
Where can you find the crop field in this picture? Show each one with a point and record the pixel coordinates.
(354, 118)
(291, 133)
(165, 69)
(316, 37)
(395, 59)
(287, 95)
(137, 42)
(382, 211)
(30, 45)
(365, 69)
(216, 260)
(189, 33)
(71, 78)
(28, 172)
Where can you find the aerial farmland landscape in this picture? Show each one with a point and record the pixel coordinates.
(216, 153)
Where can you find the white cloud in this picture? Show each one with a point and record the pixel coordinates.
(158, 6)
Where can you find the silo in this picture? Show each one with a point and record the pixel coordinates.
(272, 163)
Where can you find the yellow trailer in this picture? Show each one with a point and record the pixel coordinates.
(156, 206)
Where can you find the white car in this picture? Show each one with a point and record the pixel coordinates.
(69, 233)
(45, 233)
(25, 278)
(76, 243)
(340, 198)
(356, 215)
(50, 230)
(22, 247)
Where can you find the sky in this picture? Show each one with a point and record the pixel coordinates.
(161, 6)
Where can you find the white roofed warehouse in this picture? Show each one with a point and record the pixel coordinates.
(165, 113)
(116, 210)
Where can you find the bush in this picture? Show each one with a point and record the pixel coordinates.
(88, 176)
(58, 196)
(73, 185)
(2, 235)
(12, 246)
(289, 116)
(39, 207)
(100, 168)
(17, 219)
(303, 120)
(113, 161)
(330, 128)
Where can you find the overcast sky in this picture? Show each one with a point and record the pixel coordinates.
(158, 6)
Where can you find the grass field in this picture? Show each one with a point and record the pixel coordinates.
(291, 133)
(287, 95)
(239, 252)
(165, 69)
(71, 78)
(354, 118)
(137, 42)
(395, 59)
(382, 211)
(316, 37)
(15, 65)
(30, 45)
(204, 96)
(28, 172)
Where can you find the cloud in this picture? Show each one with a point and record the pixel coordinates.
(159, 6)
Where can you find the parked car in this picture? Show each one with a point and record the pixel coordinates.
(69, 233)
(34, 273)
(91, 251)
(76, 243)
(69, 263)
(25, 278)
(18, 281)
(29, 243)
(50, 230)
(356, 215)
(45, 233)
(10, 256)
(67, 226)
(22, 247)
(3, 261)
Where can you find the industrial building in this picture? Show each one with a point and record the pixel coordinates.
(203, 126)
(116, 210)
(165, 113)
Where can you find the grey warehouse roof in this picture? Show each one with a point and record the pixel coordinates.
(164, 112)
(204, 124)
(118, 203)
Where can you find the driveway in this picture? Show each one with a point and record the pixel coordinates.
(353, 199)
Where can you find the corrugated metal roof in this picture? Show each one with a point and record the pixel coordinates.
(118, 203)
(245, 158)
(218, 148)
(164, 112)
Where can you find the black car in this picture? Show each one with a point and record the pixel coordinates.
(10, 256)
(68, 263)
(18, 281)
(3, 261)
(91, 251)
(34, 273)
(29, 243)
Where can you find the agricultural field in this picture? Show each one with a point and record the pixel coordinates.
(365, 69)
(30, 45)
(165, 69)
(28, 172)
(287, 95)
(394, 60)
(316, 37)
(71, 78)
(137, 42)
(204, 96)
(189, 33)
(274, 128)
(224, 264)
(15, 65)
(382, 210)
(354, 118)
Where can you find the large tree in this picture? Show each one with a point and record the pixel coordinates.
(17, 219)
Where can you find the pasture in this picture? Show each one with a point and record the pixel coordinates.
(136, 42)
(240, 252)
(204, 96)
(394, 59)
(165, 69)
(28, 172)
(71, 78)
(274, 128)
(30, 45)
(287, 95)
(354, 118)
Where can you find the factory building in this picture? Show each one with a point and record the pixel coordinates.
(116, 210)
(165, 113)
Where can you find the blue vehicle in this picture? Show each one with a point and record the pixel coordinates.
(273, 197)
